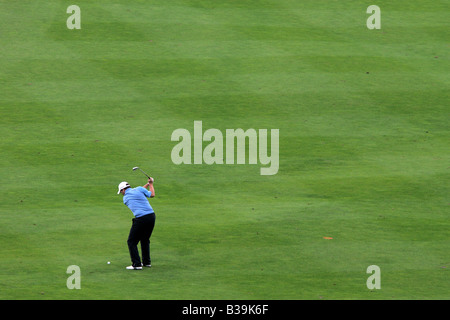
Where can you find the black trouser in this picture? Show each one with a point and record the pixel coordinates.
(141, 231)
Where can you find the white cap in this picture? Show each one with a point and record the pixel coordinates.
(123, 185)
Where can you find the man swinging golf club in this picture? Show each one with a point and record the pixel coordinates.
(143, 221)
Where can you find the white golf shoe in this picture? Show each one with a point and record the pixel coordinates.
(134, 268)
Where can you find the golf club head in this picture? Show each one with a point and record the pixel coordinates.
(135, 168)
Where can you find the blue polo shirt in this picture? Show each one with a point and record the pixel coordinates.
(136, 200)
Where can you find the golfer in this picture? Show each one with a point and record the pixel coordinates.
(143, 221)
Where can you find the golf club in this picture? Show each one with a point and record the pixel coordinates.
(136, 168)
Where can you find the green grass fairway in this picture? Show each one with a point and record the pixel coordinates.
(363, 117)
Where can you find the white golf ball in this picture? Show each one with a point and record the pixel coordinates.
(109, 262)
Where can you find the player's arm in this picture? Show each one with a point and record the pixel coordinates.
(150, 187)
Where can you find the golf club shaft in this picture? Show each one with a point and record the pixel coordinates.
(144, 173)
